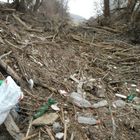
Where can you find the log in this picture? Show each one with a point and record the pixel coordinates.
(12, 128)
(9, 70)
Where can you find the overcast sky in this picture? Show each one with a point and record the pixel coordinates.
(84, 8)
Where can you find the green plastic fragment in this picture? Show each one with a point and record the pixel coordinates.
(44, 108)
(131, 97)
(1, 81)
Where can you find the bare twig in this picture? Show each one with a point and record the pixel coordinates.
(9, 43)
(49, 133)
(4, 55)
(65, 130)
(30, 125)
(31, 136)
(21, 22)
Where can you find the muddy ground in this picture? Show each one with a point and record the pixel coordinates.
(49, 52)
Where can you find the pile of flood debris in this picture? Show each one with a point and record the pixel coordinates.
(78, 82)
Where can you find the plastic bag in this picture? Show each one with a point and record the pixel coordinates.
(10, 94)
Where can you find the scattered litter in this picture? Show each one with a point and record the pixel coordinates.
(137, 90)
(88, 120)
(95, 87)
(78, 100)
(137, 107)
(136, 100)
(55, 107)
(10, 96)
(133, 85)
(31, 83)
(100, 104)
(119, 103)
(42, 110)
(59, 136)
(121, 96)
(1, 81)
(46, 119)
(63, 92)
(80, 88)
(57, 127)
(131, 97)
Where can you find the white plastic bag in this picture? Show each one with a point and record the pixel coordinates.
(10, 94)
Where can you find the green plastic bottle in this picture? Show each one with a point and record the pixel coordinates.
(1, 81)
(132, 94)
(42, 110)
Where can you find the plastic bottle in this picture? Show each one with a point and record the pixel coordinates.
(100, 104)
(132, 94)
(119, 103)
(1, 81)
(79, 101)
(88, 120)
(42, 110)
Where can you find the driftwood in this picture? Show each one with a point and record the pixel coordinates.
(9, 70)
(21, 22)
(34, 30)
(5, 54)
(77, 38)
(12, 128)
(12, 45)
(8, 10)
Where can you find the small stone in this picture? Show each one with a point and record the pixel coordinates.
(59, 136)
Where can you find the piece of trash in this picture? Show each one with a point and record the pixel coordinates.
(95, 87)
(42, 110)
(137, 107)
(137, 90)
(119, 103)
(31, 83)
(132, 93)
(88, 120)
(121, 96)
(100, 104)
(78, 100)
(46, 119)
(133, 85)
(1, 81)
(10, 96)
(136, 100)
(131, 97)
(80, 88)
(55, 107)
(59, 136)
(63, 92)
(57, 127)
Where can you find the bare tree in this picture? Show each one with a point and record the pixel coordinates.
(106, 8)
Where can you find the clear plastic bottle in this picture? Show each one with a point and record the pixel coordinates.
(119, 103)
(100, 104)
(79, 101)
(88, 120)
